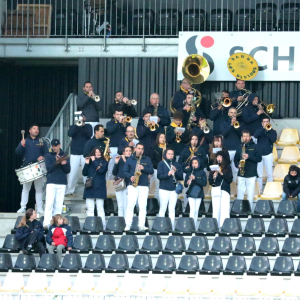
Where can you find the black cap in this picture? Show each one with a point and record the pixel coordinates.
(55, 142)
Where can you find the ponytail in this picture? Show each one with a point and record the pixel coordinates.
(27, 216)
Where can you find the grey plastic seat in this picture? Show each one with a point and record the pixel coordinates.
(115, 225)
(48, 263)
(198, 246)
(284, 266)
(165, 264)
(278, 227)
(134, 229)
(82, 244)
(95, 263)
(118, 263)
(71, 264)
(208, 227)
(245, 246)
(254, 227)
(105, 244)
(152, 245)
(11, 244)
(286, 209)
(221, 246)
(5, 262)
(141, 264)
(24, 263)
(73, 222)
(259, 266)
(189, 264)
(175, 245)
(92, 225)
(161, 226)
(236, 265)
(268, 247)
(295, 231)
(297, 272)
(231, 227)
(291, 247)
(212, 265)
(13, 231)
(240, 209)
(263, 209)
(184, 226)
(128, 244)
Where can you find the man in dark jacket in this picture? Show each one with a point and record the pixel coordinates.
(80, 135)
(137, 193)
(96, 141)
(58, 166)
(32, 149)
(122, 103)
(87, 104)
(179, 99)
(266, 137)
(291, 185)
(129, 140)
(246, 159)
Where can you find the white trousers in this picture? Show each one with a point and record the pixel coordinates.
(137, 194)
(38, 185)
(185, 198)
(75, 162)
(234, 169)
(90, 205)
(168, 197)
(113, 154)
(122, 202)
(194, 208)
(55, 194)
(154, 179)
(221, 207)
(93, 124)
(246, 184)
(267, 161)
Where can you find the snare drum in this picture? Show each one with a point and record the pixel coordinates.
(32, 172)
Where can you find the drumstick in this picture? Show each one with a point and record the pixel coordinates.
(23, 132)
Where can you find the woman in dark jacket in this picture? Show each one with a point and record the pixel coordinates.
(30, 233)
(156, 155)
(121, 195)
(291, 185)
(216, 144)
(220, 192)
(96, 167)
(195, 180)
(168, 172)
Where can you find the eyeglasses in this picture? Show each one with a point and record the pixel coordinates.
(130, 131)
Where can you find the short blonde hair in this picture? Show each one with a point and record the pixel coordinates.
(56, 217)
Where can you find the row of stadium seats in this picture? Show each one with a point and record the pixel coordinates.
(142, 263)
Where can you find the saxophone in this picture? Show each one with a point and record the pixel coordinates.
(193, 151)
(106, 155)
(192, 115)
(243, 162)
(137, 173)
(155, 110)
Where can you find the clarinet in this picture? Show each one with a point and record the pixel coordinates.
(189, 185)
(174, 178)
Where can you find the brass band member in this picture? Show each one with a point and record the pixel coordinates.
(217, 145)
(179, 100)
(238, 93)
(136, 170)
(187, 111)
(246, 159)
(122, 103)
(96, 141)
(129, 140)
(168, 173)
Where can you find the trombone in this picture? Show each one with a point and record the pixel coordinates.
(268, 110)
(226, 102)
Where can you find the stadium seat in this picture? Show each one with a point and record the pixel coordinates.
(284, 266)
(11, 244)
(130, 285)
(142, 263)
(259, 266)
(244, 19)
(189, 264)
(107, 284)
(286, 209)
(220, 20)
(221, 246)
(168, 22)
(289, 17)
(115, 225)
(84, 284)
(143, 21)
(165, 264)
(265, 16)
(288, 137)
(240, 209)
(37, 283)
(71, 264)
(297, 272)
(118, 263)
(275, 154)
(291, 247)
(161, 226)
(155, 285)
(201, 211)
(13, 231)
(289, 155)
(5, 262)
(175, 245)
(60, 283)
(295, 231)
(231, 227)
(73, 222)
(208, 227)
(272, 191)
(212, 265)
(134, 229)
(151, 245)
(198, 246)
(245, 246)
(152, 207)
(109, 208)
(278, 227)
(203, 286)
(105, 244)
(280, 171)
(268, 247)
(194, 19)
(184, 226)
(13, 283)
(82, 244)
(263, 209)
(95, 263)
(128, 244)
(48, 263)
(254, 227)
(236, 265)
(92, 225)
(24, 263)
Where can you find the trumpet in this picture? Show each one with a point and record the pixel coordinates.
(131, 102)
(177, 139)
(126, 119)
(96, 98)
(151, 126)
(236, 125)
(268, 127)
(205, 129)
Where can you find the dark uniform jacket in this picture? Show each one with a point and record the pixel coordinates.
(80, 135)
(89, 107)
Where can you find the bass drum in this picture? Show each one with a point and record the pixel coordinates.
(32, 172)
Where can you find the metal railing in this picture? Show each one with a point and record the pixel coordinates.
(151, 18)
(59, 128)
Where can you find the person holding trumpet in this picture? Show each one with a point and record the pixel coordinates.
(124, 104)
(266, 136)
(187, 111)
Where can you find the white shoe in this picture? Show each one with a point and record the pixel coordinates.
(143, 228)
(127, 228)
(40, 210)
(21, 210)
